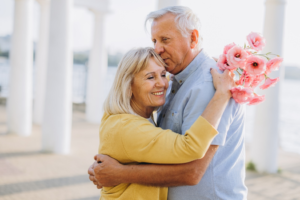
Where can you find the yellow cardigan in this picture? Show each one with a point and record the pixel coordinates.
(132, 139)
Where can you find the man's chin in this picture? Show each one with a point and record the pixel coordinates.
(173, 71)
(170, 69)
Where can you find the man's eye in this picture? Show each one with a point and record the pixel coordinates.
(164, 39)
(150, 77)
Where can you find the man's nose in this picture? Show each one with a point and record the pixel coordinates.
(158, 48)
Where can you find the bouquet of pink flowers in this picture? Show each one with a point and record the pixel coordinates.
(252, 67)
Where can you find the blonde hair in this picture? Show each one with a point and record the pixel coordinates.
(134, 61)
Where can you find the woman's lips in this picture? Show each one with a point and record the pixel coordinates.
(158, 93)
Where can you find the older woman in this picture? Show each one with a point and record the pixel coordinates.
(127, 135)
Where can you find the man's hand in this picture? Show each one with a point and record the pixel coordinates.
(92, 175)
(108, 173)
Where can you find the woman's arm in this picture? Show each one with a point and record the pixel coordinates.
(143, 142)
(110, 175)
(215, 108)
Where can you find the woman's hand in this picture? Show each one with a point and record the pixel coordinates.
(223, 82)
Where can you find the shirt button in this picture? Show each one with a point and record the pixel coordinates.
(180, 81)
(172, 114)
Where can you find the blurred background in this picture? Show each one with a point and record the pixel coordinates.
(57, 65)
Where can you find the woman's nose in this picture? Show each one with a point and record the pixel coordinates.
(160, 82)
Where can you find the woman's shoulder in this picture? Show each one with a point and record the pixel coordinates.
(122, 118)
(123, 124)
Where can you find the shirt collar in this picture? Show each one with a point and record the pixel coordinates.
(198, 60)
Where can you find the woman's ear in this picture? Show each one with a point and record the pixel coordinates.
(130, 94)
(194, 38)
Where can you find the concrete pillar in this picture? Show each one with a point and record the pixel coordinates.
(266, 125)
(165, 3)
(41, 62)
(97, 61)
(96, 72)
(20, 82)
(56, 129)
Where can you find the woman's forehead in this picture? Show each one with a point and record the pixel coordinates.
(154, 64)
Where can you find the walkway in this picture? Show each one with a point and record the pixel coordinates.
(28, 174)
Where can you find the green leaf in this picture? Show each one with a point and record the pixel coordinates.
(251, 166)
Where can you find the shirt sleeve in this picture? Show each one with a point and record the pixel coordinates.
(198, 100)
(144, 142)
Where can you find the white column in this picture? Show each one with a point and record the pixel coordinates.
(266, 127)
(165, 3)
(20, 83)
(56, 129)
(96, 72)
(41, 62)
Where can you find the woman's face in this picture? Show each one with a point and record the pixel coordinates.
(149, 87)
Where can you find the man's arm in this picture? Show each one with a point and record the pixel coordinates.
(111, 173)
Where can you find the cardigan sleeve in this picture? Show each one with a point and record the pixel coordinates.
(144, 142)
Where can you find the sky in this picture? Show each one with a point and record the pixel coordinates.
(223, 22)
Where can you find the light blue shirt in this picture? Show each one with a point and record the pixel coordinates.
(187, 97)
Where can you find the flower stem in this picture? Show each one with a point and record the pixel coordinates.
(262, 55)
(266, 77)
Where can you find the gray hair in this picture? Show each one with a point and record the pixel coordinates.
(186, 20)
(119, 97)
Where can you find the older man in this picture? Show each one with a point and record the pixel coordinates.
(221, 173)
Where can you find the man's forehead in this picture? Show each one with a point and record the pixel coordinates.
(164, 24)
(165, 19)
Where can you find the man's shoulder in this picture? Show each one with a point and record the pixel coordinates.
(202, 73)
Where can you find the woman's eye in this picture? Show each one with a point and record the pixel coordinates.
(150, 77)
(163, 75)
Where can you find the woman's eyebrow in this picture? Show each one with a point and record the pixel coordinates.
(154, 72)
(149, 73)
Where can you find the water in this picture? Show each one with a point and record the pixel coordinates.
(290, 115)
(289, 103)
(79, 82)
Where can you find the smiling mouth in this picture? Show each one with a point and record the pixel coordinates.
(158, 93)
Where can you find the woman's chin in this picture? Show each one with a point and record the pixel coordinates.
(161, 103)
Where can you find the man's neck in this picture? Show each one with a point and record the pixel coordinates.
(189, 58)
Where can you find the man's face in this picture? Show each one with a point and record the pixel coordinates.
(170, 44)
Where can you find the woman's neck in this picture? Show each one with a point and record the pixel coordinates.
(141, 110)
